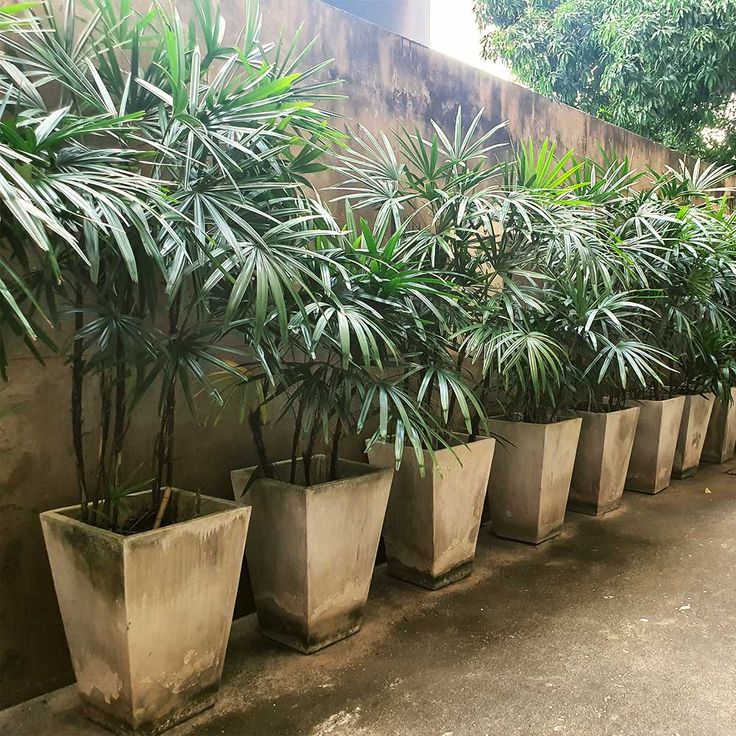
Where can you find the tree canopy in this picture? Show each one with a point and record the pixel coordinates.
(665, 69)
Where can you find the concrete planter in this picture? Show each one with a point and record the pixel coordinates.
(693, 428)
(721, 436)
(432, 522)
(604, 449)
(530, 478)
(653, 454)
(147, 617)
(312, 549)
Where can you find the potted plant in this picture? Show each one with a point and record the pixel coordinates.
(317, 516)
(680, 257)
(437, 202)
(599, 326)
(600, 314)
(526, 369)
(146, 205)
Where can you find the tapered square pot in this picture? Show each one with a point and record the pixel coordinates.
(530, 478)
(653, 454)
(147, 617)
(696, 415)
(604, 449)
(432, 521)
(721, 436)
(312, 549)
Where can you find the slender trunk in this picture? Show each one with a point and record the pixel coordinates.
(295, 442)
(162, 461)
(103, 479)
(170, 435)
(113, 472)
(76, 404)
(335, 449)
(308, 454)
(256, 429)
(163, 449)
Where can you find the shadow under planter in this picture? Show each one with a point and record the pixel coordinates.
(721, 436)
(312, 549)
(653, 454)
(530, 478)
(696, 415)
(147, 616)
(432, 522)
(604, 450)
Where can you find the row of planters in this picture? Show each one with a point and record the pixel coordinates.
(501, 327)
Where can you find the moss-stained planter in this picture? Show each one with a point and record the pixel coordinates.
(604, 449)
(147, 617)
(432, 522)
(312, 549)
(696, 415)
(530, 478)
(721, 436)
(653, 455)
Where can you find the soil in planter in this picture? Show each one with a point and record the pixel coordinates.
(134, 515)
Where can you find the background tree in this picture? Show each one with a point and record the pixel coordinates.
(664, 69)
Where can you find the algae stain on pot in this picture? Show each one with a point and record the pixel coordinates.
(107, 683)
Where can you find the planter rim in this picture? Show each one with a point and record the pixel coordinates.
(535, 424)
(58, 514)
(476, 441)
(607, 413)
(318, 487)
(634, 402)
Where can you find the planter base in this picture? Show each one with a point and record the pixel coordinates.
(197, 705)
(721, 435)
(433, 518)
(603, 454)
(591, 508)
(147, 616)
(313, 549)
(653, 454)
(691, 438)
(294, 637)
(524, 538)
(682, 474)
(530, 478)
(426, 579)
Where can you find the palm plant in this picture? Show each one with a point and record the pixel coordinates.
(171, 176)
(565, 331)
(363, 354)
(678, 236)
(448, 197)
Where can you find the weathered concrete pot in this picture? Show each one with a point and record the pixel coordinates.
(312, 549)
(721, 436)
(147, 617)
(604, 449)
(432, 522)
(530, 478)
(693, 428)
(653, 455)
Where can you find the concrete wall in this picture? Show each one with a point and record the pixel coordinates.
(389, 81)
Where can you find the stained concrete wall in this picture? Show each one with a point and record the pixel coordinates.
(389, 81)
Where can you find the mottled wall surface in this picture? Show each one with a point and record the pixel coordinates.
(389, 81)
